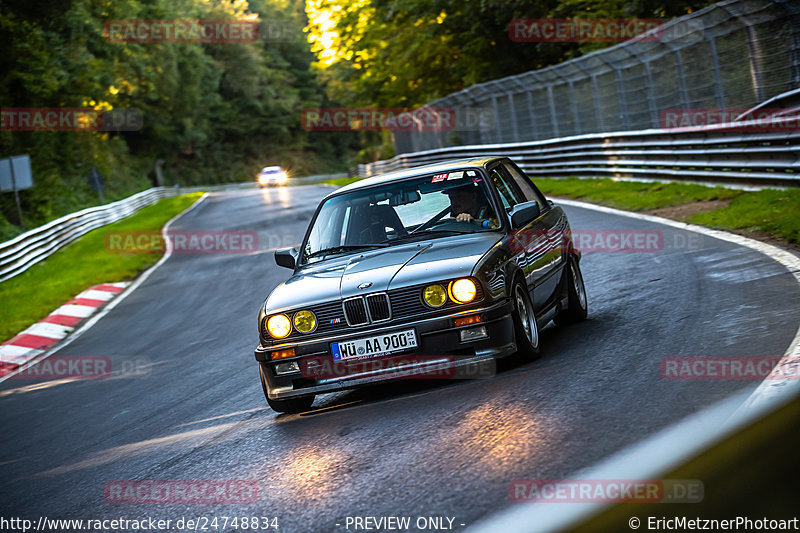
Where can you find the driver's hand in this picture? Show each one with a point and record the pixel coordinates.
(465, 217)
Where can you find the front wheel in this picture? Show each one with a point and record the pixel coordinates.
(526, 327)
(291, 405)
(577, 307)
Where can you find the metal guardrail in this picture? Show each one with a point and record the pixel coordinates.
(22, 252)
(722, 153)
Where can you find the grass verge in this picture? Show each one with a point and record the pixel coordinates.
(770, 211)
(41, 289)
(341, 182)
(633, 195)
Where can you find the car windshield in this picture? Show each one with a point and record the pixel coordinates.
(430, 206)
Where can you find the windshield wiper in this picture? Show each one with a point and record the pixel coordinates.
(345, 248)
(427, 233)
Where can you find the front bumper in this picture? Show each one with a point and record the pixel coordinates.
(440, 349)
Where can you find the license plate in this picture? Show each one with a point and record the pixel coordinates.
(375, 346)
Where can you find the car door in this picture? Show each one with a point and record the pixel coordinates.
(536, 246)
(555, 225)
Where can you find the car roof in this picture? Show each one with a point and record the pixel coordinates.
(396, 175)
(270, 168)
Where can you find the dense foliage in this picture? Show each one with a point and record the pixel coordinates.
(213, 112)
(408, 52)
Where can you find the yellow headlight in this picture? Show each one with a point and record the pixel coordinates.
(305, 321)
(434, 295)
(282, 177)
(279, 326)
(463, 290)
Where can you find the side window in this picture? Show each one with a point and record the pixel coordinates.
(530, 192)
(509, 194)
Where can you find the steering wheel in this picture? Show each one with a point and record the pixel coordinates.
(432, 221)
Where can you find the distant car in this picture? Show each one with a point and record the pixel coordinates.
(447, 265)
(272, 177)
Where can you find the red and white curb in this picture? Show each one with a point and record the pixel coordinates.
(46, 333)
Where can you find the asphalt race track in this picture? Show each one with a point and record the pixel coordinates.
(422, 448)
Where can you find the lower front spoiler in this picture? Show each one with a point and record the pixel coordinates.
(480, 362)
(439, 356)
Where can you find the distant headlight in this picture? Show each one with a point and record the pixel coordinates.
(463, 290)
(263, 179)
(282, 177)
(305, 321)
(279, 326)
(434, 295)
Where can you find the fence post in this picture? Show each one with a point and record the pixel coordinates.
(514, 125)
(753, 48)
(534, 124)
(598, 108)
(552, 102)
(719, 89)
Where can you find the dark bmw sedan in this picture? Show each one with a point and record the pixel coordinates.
(417, 272)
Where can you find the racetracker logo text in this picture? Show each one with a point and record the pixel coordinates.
(377, 119)
(766, 120)
(69, 119)
(606, 490)
(181, 492)
(584, 30)
(730, 368)
(402, 367)
(181, 31)
(182, 242)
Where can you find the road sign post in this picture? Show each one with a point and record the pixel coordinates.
(15, 175)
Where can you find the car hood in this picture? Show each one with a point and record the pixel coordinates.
(383, 269)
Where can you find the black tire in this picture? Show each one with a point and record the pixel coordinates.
(527, 338)
(577, 307)
(291, 405)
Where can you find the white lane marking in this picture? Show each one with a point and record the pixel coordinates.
(769, 391)
(77, 311)
(113, 303)
(93, 294)
(123, 284)
(46, 329)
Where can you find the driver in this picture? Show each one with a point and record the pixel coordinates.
(467, 205)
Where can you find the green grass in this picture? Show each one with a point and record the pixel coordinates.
(38, 291)
(633, 195)
(771, 211)
(341, 182)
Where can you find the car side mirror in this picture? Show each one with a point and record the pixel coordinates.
(523, 213)
(286, 257)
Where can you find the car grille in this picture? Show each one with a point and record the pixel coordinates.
(379, 309)
(397, 304)
(355, 312)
